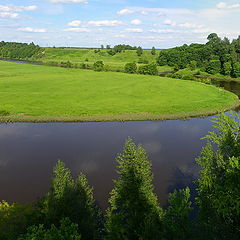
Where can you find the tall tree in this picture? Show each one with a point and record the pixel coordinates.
(139, 51)
(134, 212)
(153, 51)
(219, 183)
(74, 200)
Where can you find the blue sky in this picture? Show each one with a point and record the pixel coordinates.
(90, 23)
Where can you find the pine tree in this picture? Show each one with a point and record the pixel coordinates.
(134, 212)
(74, 200)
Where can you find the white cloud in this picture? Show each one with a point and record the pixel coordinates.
(190, 25)
(136, 22)
(125, 11)
(77, 29)
(134, 30)
(120, 36)
(164, 31)
(8, 15)
(68, 1)
(169, 22)
(75, 23)
(33, 30)
(12, 8)
(106, 23)
(223, 5)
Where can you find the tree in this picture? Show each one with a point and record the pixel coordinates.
(130, 67)
(153, 51)
(177, 222)
(98, 66)
(219, 183)
(14, 219)
(213, 67)
(102, 46)
(227, 68)
(139, 51)
(74, 200)
(66, 231)
(236, 69)
(149, 69)
(134, 212)
(193, 65)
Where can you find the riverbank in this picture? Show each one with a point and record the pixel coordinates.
(50, 94)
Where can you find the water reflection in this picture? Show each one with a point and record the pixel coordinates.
(29, 151)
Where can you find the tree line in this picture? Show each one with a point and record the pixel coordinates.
(70, 212)
(14, 50)
(216, 56)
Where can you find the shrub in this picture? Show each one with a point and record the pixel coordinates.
(66, 64)
(150, 69)
(98, 66)
(227, 68)
(130, 68)
(192, 65)
(236, 69)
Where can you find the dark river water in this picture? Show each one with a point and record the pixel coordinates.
(29, 151)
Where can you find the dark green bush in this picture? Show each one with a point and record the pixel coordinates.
(130, 68)
(98, 66)
(149, 69)
(4, 113)
(143, 61)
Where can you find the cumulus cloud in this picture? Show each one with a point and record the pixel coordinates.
(77, 29)
(68, 1)
(223, 5)
(33, 30)
(75, 23)
(136, 22)
(190, 25)
(125, 11)
(105, 23)
(134, 30)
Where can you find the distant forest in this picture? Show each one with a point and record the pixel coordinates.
(14, 50)
(216, 56)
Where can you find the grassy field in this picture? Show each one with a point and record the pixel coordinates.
(41, 94)
(88, 56)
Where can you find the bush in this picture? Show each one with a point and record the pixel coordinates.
(67, 64)
(98, 66)
(150, 69)
(236, 69)
(130, 68)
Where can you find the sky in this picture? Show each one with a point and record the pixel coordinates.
(91, 23)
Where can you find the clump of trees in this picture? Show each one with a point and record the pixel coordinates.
(14, 50)
(216, 56)
(148, 69)
(98, 66)
(130, 67)
(69, 211)
(120, 48)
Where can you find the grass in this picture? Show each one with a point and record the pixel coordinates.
(115, 63)
(42, 94)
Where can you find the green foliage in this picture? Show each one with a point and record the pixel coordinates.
(213, 67)
(227, 68)
(139, 51)
(130, 67)
(66, 231)
(236, 69)
(143, 61)
(134, 212)
(66, 64)
(72, 199)
(13, 50)
(149, 69)
(153, 51)
(14, 219)
(98, 66)
(219, 182)
(4, 113)
(177, 222)
(193, 65)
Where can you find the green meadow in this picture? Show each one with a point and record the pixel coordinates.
(42, 94)
(89, 56)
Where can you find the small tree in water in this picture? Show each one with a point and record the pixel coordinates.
(134, 212)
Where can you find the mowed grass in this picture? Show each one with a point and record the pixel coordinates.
(40, 93)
